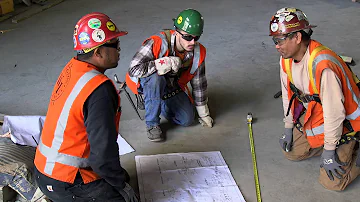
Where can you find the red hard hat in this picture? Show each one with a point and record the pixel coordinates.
(287, 20)
(93, 30)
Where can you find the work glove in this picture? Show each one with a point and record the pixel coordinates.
(204, 116)
(166, 64)
(129, 194)
(286, 139)
(332, 165)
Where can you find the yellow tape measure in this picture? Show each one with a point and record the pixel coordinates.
(253, 155)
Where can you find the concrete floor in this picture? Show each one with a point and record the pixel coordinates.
(242, 71)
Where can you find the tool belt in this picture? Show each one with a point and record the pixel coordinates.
(172, 87)
(171, 94)
(345, 139)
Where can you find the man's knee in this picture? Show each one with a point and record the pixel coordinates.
(301, 152)
(187, 122)
(292, 156)
(184, 118)
(333, 185)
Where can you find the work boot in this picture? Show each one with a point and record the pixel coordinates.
(154, 133)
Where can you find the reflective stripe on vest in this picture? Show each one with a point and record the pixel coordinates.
(311, 69)
(52, 153)
(315, 131)
(288, 70)
(196, 59)
(164, 45)
(312, 74)
(322, 57)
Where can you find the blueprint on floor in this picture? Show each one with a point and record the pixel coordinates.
(186, 177)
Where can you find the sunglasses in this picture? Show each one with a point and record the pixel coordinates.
(115, 45)
(188, 37)
(282, 39)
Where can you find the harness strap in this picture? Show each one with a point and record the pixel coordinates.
(305, 98)
(345, 139)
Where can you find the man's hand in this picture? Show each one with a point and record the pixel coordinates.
(129, 194)
(204, 116)
(166, 64)
(332, 165)
(176, 63)
(286, 140)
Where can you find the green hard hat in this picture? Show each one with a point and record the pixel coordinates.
(190, 21)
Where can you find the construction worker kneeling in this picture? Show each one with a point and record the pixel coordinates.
(162, 69)
(320, 100)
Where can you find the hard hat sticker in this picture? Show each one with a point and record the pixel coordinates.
(94, 23)
(186, 24)
(110, 26)
(282, 28)
(274, 27)
(281, 19)
(292, 25)
(76, 29)
(98, 35)
(75, 43)
(84, 38)
(179, 20)
(288, 18)
(300, 15)
(281, 10)
(291, 9)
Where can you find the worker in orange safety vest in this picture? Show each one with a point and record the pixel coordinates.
(161, 70)
(77, 158)
(320, 100)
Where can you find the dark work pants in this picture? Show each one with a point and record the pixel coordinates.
(58, 191)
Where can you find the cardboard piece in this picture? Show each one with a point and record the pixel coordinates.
(6, 6)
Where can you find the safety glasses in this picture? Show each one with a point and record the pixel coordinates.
(281, 40)
(188, 37)
(115, 45)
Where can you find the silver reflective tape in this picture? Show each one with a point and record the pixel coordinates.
(172, 44)
(62, 121)
(315, 131)
(164, 45)
(354, 115)
(196, 59)
(54, 156)
(322, 57)
(134, 79)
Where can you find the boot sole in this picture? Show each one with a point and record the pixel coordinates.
(157, 140)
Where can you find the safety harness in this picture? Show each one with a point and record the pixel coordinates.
(173, 78)
(306, 98)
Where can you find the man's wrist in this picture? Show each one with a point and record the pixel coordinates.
(330, 147)
(289, 125)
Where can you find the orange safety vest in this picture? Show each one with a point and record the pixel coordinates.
(321, 58)
(64, 148)
(161, 49)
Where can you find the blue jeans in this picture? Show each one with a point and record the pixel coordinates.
(177, 109)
